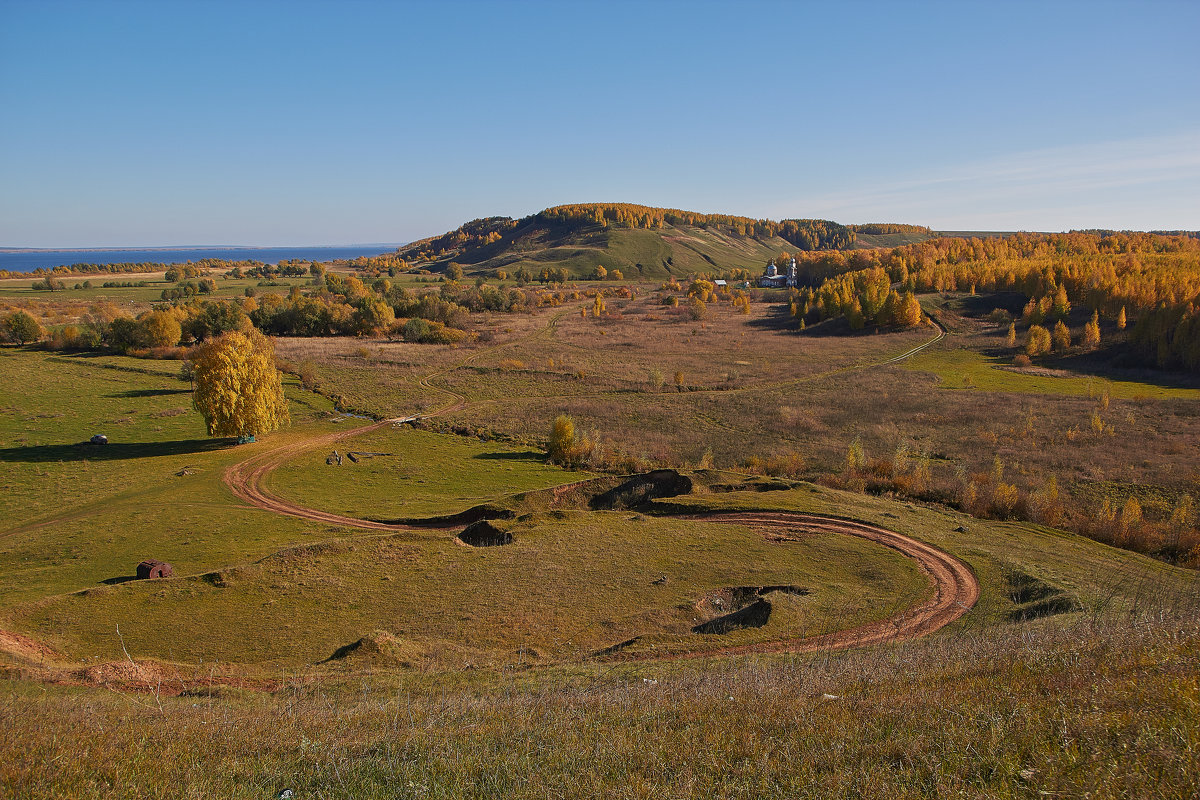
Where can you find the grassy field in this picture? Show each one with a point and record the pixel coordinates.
(20, 288)
(421, 475)
(569, 585)
(369, 664)
(662, 388)
(75, 515)
(565, 588)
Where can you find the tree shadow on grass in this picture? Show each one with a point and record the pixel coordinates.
(526, 456)
(1119, 364)
(149, 392)
(113, 451)
(839, 327)
(777, 318)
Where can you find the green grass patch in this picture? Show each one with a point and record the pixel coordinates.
(74, 515)
(970, 369)
(421, 474)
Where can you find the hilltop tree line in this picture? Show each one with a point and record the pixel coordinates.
(468, 236)
(881, 228)
(806, 234)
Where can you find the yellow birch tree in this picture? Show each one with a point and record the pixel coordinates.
(237, 387)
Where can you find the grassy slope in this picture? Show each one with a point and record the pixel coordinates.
(669, 251)
(1103, 710)
(868, 240)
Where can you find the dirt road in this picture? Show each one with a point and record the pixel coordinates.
(954, 588)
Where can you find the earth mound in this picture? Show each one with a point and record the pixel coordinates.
(738, 607)
(485, 534)
(379, 649)
(641, 489)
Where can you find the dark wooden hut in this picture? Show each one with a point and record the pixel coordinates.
(154, 569)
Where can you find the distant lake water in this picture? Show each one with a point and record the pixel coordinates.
(29, 260)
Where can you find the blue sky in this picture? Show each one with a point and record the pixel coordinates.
(173, 123)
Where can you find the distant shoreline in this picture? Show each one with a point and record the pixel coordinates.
(30, 259)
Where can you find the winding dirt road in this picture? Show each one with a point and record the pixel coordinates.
(246, 480)
(954, 589)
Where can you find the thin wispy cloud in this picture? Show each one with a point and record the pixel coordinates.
(1145, 182)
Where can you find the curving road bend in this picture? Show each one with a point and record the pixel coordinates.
(954, 589)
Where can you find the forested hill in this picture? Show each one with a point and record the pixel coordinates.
(638, 241)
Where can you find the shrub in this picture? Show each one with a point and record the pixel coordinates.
(856, 457)
(416, 330)
(307, 372)
(22, 328)
(565, 448)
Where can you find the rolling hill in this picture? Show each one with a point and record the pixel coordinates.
(639, 241)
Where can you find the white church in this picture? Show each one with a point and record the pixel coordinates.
(774, 279)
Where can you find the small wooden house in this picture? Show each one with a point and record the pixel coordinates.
(154, 569)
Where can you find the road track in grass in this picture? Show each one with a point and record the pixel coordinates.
(954, 587)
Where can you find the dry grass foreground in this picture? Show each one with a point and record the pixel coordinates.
(1098, 707)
